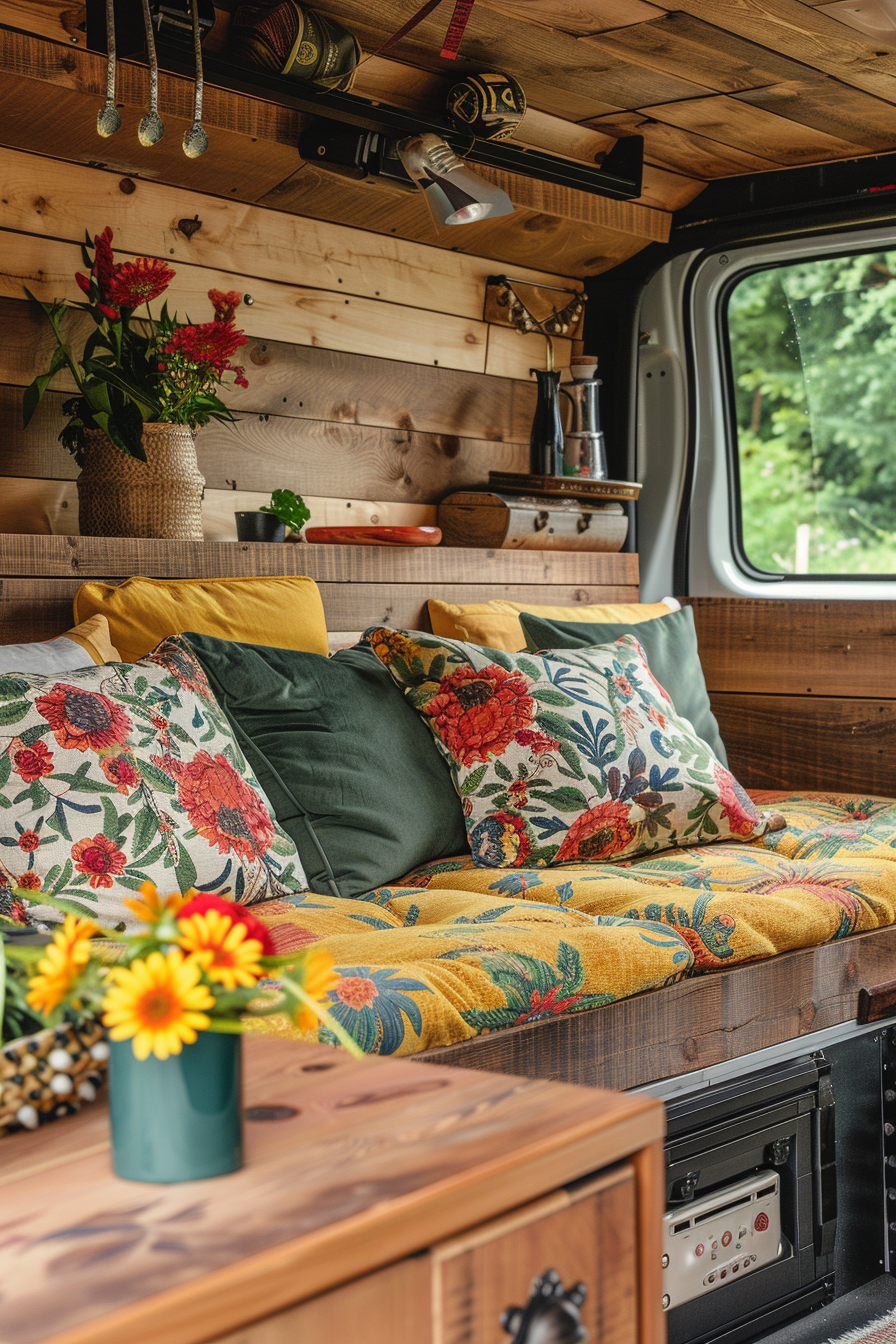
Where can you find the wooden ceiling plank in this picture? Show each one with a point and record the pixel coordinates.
(680, 44)
(676, 149)
(737, 124)
(830, 105)
(667, 190)
(577, 16)
(799, 31)
(240, 237)
(60, 20)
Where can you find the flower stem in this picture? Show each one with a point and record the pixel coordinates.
(320, 1012)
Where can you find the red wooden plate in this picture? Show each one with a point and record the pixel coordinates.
(376, 536)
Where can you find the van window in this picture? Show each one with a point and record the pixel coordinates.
(813, 375)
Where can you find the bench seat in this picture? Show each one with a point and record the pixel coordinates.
(455, 951)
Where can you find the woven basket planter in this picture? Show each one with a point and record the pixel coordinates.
(119, 496)
(48, 1075)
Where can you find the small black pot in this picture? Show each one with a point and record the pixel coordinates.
(254, 525)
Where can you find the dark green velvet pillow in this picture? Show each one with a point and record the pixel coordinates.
(351, 770)
(670, 643)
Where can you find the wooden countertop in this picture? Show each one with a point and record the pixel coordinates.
(384, 1158)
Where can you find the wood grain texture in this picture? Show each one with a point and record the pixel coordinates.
(828, 105)
(252, 242)
(683, 150)
(304, 382)
(650, 1170)
(844, 745)
(389, 1307)
(577, 16)
(820, 648)
(737, 124)
(284, 311)
(350, 1183)
(693, 1024)
(588, 1236)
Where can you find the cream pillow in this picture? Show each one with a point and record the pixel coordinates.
(496, 624)
(84, 645)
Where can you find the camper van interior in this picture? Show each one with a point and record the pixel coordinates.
(447, 751)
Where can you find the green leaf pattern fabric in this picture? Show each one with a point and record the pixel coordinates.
(559, 761)
(124, 773)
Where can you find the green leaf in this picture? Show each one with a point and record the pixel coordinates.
(146, 828)
(572, 972)
(13, 711)
(571, 757)
(555, 726)
(186, 871)
(548, 697)
(565, 799)
(502, 772)
(289, 507)
(111, 819)
(472, 782)
(156, 778)
(529, 668)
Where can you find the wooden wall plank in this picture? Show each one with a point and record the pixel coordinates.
(691, 1025)
(305, 382)
(283, 311)
(841, 744)
(254, 242)
(61, 20)
(316, 457)
(829, 105)
(823, 648)
(51, 508)
(735, 123)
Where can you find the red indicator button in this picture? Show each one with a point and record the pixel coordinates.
(726, 1238)
(698, 1250)
(760, 1222)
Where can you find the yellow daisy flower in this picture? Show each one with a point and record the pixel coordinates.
(158, 1002)
(315, 974)
(222, 948)
(60, 968)
(153, 906)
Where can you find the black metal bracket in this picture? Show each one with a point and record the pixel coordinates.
(618, 176)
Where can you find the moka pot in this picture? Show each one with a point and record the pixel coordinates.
(584, 451)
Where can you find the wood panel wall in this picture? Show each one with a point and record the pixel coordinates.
(803, 691)
(375, 387)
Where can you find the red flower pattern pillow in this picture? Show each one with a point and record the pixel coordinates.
(128, 772)
(560, 762)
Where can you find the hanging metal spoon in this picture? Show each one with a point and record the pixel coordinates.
(151, 129)
(195, 139)
(108, 119)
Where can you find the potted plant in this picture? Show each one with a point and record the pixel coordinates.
(175, 997)
(269, 523)
(145, 385)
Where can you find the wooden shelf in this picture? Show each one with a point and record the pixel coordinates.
(120, 557)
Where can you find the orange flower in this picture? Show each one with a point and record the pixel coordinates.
(597, 834)
(153, 906)
(222, 949)
(60, 968)
(316, 976)
(101, 858)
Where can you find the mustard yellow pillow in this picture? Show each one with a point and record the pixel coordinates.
(87, 643)
(496, 624)
(281, 612)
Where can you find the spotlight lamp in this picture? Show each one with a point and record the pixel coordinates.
(453, 194)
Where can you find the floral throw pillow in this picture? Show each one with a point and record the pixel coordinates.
(128, 772)
(561, 763)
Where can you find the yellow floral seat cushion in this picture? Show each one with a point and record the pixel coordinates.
(456, 950)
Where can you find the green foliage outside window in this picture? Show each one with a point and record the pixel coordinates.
(813, 353)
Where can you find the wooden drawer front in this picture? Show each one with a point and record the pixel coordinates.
(586, 1235)
(389, 1307)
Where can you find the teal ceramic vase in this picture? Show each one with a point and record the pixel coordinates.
(177, 1119)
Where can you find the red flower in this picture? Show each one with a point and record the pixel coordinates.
(140, 281)
(225, 305)
(33, 762)
(82, 719)
(356, 991)
(519, 792)
(477, 714)
(241, 380)
(500, 841)
(121, 771)
(738, 808)
(100, 858)
(222, 807)
(209, 343)
(83, 283)
(103, 266)
(29, 841)
(30, 881)
(623, 686)
(539, 743)
(199, 904)
(597, 834)
(547, 1005)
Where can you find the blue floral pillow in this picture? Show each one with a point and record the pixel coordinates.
(561, 763)
(128, 772)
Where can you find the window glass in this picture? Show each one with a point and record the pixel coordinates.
(813, 362)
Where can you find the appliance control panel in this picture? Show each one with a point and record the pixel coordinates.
(721, 1237)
